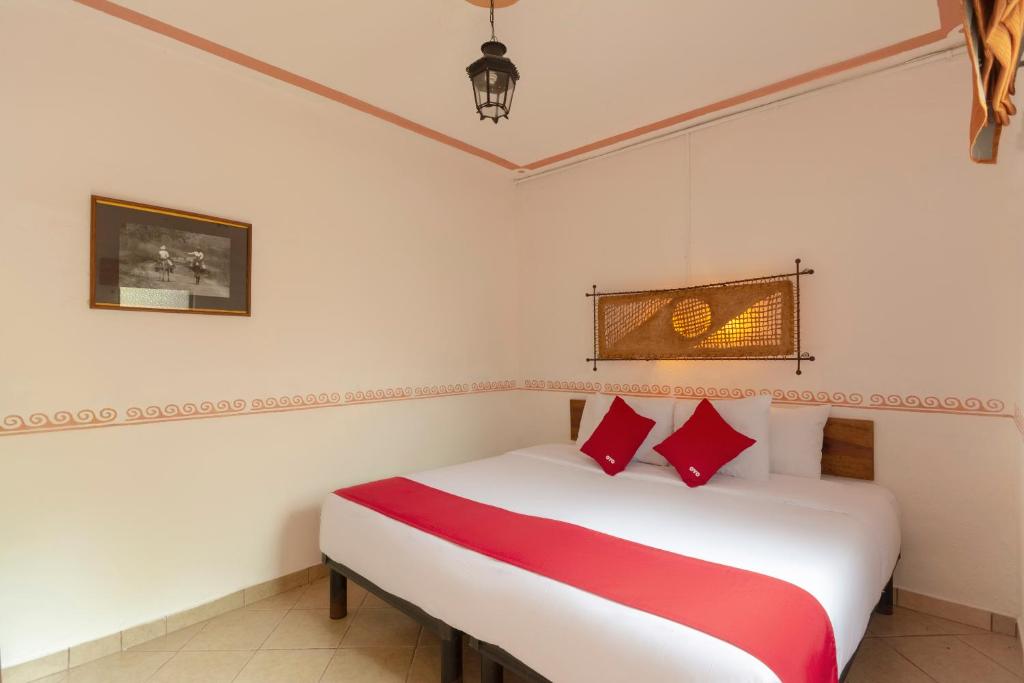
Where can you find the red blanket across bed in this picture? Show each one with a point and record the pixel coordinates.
(776, 622)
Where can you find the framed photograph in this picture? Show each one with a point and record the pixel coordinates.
(150, 258)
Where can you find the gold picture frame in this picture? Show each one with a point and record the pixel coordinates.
(144, 257)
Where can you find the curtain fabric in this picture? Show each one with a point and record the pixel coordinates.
(993, 30)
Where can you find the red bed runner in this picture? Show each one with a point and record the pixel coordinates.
(780, 624)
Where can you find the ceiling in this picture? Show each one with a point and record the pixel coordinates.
(591, 69)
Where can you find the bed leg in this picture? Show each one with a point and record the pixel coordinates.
(490, 670)
(451, 658)
(339, 595)
(885, 605)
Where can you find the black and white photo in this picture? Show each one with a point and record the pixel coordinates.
(153, 257)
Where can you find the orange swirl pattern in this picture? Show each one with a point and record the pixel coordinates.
(934, 404)
(950, 405)
(442, 390)
(712, 393)
(427, 391)
(295, 402)
(502, 385)
(639, 389)
(374, 395)
(173, 411)
(60, 420)
(836, 398)
(549, 385)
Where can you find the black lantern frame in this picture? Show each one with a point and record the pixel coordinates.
(493, 78)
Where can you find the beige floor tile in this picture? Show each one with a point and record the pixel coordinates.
(373, 601)
(206, 611)
(356, 595)
(318, 596)
(427, 637)
(427, 665)
(876, 662)
(905, 622)
(285, 666)
(239, 630)
(1004, 649)
(284, 600)
(136, 635)
(307, 629)
(202, 667)
(369, 665)
(62, 677)
(124, 667)
(94, 649)
(948, 659)
(276, 586)
(172, 642)
(381, 628)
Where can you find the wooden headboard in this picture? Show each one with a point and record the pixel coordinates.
(848, 449)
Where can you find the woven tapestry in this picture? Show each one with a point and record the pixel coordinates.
(716, 321)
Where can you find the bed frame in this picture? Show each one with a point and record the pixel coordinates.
(848, 451)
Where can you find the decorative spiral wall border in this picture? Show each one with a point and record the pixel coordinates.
(951, 405)
(427, 391)
(88, 418)
(63, 420)
(58, 421)
(276, 404)
(185, 411)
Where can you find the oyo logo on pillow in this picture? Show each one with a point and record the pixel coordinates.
(694, 470)
(610, 459)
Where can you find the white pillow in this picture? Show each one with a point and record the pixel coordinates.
(658, 409)
(797, 434)
(748, 416)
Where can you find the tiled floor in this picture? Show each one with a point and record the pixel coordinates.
(910, 647)
(289, 638)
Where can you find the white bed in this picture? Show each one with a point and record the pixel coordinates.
(838, 539)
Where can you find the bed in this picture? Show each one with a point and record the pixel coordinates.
(837, 538)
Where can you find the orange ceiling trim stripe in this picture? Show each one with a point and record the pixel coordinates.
(200, 43)
(950, 14)
(949, 18)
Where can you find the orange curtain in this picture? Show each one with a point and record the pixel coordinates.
(993, 29)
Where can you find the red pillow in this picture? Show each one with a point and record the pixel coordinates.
(702, 445)
(618, 437)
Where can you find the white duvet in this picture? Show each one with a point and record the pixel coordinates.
(836, 538)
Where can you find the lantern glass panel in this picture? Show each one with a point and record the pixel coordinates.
(480, 85)
(498, 81)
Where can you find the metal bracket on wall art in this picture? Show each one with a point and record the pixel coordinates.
(752, 319)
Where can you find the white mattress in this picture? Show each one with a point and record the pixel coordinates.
(836, 538)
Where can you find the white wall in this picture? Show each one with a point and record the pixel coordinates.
(915, 291)
(380, 259)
